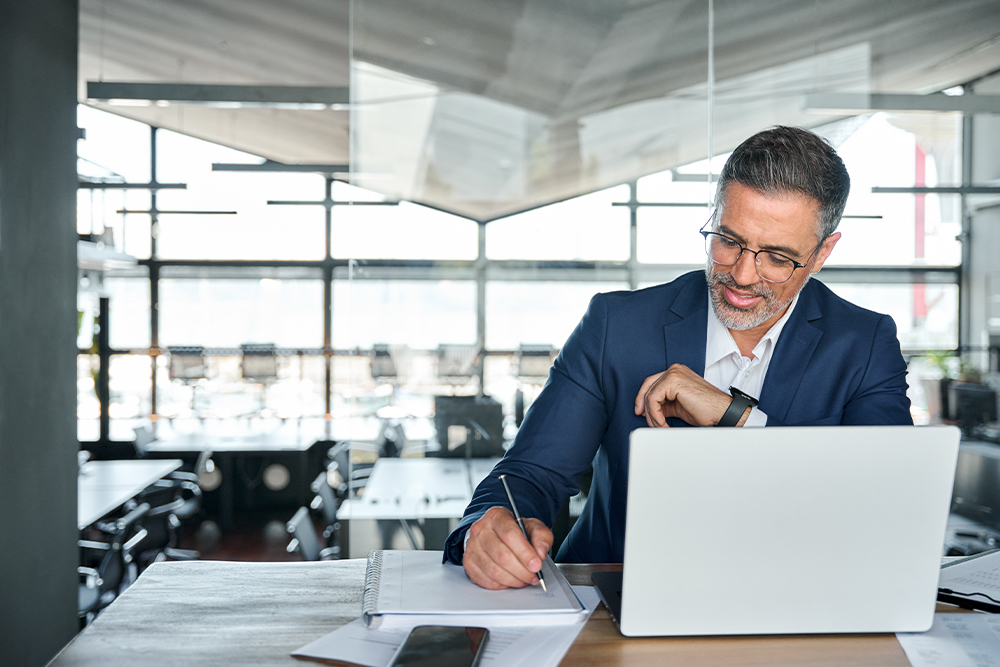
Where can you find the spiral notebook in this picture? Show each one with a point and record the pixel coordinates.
(407, 588)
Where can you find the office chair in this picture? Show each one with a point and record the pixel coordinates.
(326, 503)
(143, 436)
(304, 539)
(161, 524)
(101, 585)
(353, 477)
(189, 487)
(358, 477)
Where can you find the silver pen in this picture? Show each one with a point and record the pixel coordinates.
(520, 522)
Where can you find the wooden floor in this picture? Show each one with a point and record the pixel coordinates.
(260, 536)
(257, 535)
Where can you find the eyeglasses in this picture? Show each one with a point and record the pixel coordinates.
(772, 267)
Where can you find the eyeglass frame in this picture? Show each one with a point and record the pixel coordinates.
(756, 253)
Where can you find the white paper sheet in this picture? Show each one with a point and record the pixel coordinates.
(509, 645)
(955, 640)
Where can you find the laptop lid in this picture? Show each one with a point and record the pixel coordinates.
(785, 530)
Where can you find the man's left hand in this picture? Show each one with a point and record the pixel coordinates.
(680, 392)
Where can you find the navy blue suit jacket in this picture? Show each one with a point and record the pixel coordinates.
(835, 363)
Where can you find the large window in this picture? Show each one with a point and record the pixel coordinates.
(225, 312)
(243, 260)
(583, 228)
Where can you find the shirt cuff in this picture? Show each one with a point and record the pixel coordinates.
(468, 533)
(756, 419)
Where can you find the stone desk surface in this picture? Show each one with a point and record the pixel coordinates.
(215, 613)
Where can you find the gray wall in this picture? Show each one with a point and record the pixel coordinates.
(38, 556)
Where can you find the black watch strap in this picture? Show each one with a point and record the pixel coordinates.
(741, 401)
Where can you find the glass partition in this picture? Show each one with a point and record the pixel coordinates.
(586, 142)
(434, 228)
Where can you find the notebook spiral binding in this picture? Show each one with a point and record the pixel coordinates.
(373, 577)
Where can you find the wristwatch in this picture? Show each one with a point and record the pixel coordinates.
(741, 401)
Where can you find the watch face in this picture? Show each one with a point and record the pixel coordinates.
(737, 392)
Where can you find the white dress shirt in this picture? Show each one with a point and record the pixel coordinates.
(726, 367)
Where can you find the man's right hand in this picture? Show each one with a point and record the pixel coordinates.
(497, 555)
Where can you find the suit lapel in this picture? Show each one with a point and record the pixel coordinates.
(685, 333)
(790, 359)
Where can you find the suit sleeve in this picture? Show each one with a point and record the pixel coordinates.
(880, 397)
(558, 438)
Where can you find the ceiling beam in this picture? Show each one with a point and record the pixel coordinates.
(856, 103)
(91, 185)
(271, 165)
(221, 95)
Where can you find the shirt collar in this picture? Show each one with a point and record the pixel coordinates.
(719, 343)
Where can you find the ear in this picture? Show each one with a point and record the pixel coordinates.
(824, 252)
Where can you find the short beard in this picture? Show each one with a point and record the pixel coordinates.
(740, 319)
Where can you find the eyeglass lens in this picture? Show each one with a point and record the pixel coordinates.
(772, 267)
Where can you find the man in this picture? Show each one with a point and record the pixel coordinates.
(753, 321)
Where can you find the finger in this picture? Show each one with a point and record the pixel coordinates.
(497, 562)
(661, 397)
(541, 536)
(492, 557)
(655, 398)
(487, 574)
(503, 546)
(525, 559)
(640, 398)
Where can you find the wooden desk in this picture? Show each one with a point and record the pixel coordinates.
(105, 485)
(212, 613)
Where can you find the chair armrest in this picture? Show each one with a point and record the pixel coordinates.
(191, 486)
(181, 476)
(91, 544)
(134, 540)
(92, 575)
(169, 508)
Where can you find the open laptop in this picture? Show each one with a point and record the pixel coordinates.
(783, 530)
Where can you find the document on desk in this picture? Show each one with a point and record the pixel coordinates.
(955, 640)
(406, 588)
(537, 646)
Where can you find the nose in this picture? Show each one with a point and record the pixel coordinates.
(744, 271)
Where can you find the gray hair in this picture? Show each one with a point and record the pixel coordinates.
(790, 159)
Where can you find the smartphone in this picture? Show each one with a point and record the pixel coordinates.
(440, 646)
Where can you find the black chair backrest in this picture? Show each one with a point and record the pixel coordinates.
(164, 500)
(112, 567)
(302, 529)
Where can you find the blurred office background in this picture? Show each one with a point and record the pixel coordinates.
(328, 251)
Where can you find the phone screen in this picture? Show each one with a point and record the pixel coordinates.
(439, 646)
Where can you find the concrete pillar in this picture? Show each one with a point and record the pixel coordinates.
(38, 471)
(984, 261)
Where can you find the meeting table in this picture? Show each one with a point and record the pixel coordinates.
(104, 486)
